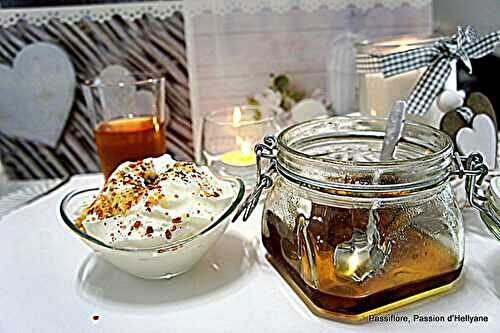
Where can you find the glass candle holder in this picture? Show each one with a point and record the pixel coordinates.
(229, 136)
(377, 94)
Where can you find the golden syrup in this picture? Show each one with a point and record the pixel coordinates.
(125, 139)
(415, 265)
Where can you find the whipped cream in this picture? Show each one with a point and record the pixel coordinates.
(155, 201)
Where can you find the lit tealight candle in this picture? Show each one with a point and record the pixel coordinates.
(244, 156)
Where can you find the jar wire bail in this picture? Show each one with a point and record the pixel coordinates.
(474, 170)
(266, 150)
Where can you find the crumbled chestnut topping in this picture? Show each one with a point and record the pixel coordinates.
(168, 234)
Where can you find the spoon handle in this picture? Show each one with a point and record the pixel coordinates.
(393, 130)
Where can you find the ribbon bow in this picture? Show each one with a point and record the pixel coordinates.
(466, 44)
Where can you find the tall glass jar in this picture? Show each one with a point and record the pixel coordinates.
(354, 235)
(376, 94)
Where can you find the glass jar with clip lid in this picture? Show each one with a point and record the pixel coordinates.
(354, 235)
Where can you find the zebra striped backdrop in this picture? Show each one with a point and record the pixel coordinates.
(146, 44)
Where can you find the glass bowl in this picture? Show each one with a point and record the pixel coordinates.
(158, 262)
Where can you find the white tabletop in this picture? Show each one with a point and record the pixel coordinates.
(51, 282)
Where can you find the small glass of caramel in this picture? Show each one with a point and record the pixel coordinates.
(128, 114)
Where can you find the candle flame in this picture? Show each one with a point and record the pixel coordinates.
(244, 145)
(236, 116)
(246, 148)
(403, 47)
(402, 44)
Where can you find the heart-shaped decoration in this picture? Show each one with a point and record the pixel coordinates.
(36, 94)
(481, 138)
(453, 120)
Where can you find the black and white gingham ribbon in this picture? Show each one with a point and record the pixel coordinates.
(466, 44)
(466, 113)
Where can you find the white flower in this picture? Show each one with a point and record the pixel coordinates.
(269, 100)
(308, 108)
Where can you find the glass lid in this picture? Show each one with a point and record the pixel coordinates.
(344, 152)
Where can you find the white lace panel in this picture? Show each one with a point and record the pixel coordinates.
(95, 13)
(163, 9)
(222, 7)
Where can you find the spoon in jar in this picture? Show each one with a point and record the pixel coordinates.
(393, 130)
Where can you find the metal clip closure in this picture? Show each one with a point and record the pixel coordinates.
(265, 150)
(474, 170)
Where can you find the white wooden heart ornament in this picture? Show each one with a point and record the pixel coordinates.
(36, 94)
(482, 138)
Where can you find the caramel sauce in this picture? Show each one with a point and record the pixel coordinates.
(124, 139)
(416, 262)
